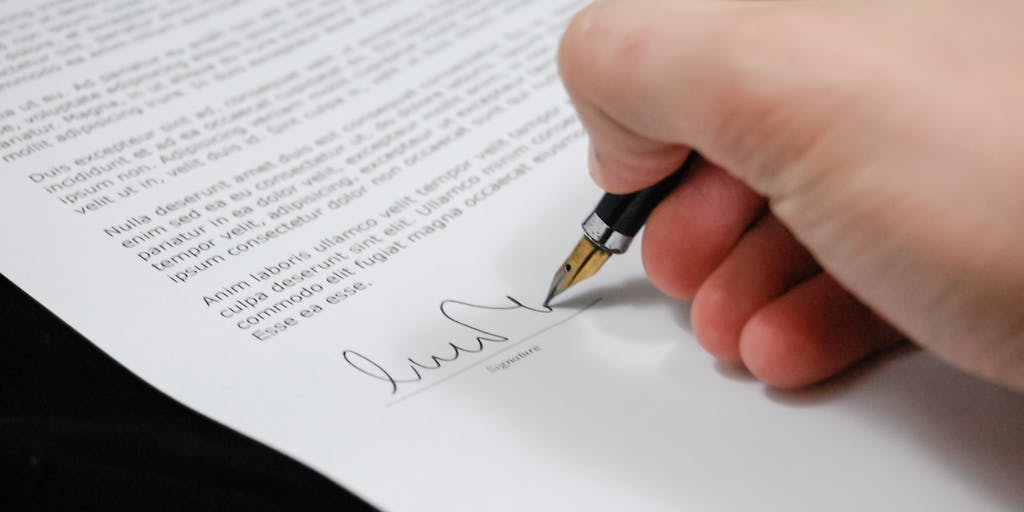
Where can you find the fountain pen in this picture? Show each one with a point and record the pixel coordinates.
(611, 227)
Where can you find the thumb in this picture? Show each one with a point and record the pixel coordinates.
(738, 81)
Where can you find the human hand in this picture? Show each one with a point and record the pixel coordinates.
(864, 173)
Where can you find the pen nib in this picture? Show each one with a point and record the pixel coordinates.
(584, 261)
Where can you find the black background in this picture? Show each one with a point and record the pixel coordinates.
(80, 432)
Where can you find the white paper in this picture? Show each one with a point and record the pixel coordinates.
(429, 150)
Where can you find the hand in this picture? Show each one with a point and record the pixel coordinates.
(864, 173)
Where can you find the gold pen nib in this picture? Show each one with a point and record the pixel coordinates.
(586, 259)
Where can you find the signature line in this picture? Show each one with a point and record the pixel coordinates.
(496, 354)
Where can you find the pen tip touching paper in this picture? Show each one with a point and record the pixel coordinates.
(584, 261)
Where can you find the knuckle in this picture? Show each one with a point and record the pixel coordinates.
(599, 45)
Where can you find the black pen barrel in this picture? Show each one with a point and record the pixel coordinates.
(626, 213)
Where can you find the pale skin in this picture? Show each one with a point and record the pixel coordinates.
(863, 173)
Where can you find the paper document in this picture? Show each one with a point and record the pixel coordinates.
(330, 225)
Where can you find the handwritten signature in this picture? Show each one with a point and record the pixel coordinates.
(414, 371)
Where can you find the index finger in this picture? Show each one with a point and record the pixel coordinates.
(652, 78)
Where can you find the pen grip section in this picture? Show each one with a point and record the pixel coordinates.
(627, 213)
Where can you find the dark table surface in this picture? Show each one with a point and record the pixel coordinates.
(80, 432)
